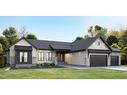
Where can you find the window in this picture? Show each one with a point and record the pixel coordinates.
(42, 56)
(49, 56)
(99, 43)
(39, 56)
(23, 57)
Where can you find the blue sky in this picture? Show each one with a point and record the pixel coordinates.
(61, 28)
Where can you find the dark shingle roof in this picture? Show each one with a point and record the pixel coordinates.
(56, 45)
(42, 44)
(61, 46)
(82, 44)
(115, 50)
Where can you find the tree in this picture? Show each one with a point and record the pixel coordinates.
(97, 28)
(23, 32)
(102, 33)
(116, 46)
(91, 31)
(1, 49)
(124, 55)
(123, 38)
(115, 33)
(4, 43)
(79, 38)
(11, 35)
(112, 39)
(86, 36)
(97, 31)
(31, 36)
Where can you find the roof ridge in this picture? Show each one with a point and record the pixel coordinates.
(50, 41)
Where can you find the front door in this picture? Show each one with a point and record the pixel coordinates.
(60, 57)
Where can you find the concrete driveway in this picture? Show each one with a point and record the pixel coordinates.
(77, 66)
(120, 68)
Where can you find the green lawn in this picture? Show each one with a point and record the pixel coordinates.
(62, 73)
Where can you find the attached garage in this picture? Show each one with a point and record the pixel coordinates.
(98, 60)
(114, 60)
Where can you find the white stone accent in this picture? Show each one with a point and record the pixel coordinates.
(95, 45)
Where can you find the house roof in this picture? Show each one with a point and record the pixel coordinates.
(48, 45)
(115, 50)
(61, 46)
(67, 46)
(82, 44)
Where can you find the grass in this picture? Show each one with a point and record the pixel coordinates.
(62, 73)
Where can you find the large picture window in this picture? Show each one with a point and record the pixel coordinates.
(23, 57)
(45, 56)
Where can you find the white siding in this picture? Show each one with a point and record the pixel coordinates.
(77, 58)
(102, 45)
(22, 43)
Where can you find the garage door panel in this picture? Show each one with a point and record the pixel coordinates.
(98, 60)
(114, 60)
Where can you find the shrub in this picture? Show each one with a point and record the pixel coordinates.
(2, 61)
(52, 64)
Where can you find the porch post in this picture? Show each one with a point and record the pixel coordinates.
(55, 57)
(87, 58)
(109, 60)
(119, 59)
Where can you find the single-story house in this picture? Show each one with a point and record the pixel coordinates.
(91, 52)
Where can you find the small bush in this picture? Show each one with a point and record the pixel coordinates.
(46, 64)
(52, 64)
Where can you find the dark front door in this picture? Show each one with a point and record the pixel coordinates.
(98, 60)
(60, 57)
(114, 60)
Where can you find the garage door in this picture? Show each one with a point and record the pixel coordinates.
(98, 60)
(114, 60)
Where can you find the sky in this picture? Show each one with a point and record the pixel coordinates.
(61, 28)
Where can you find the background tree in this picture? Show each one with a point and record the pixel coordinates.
(79, 38)
(112, 39)
(31, 36)
(97, 28)
(86, 36)
(102, 33)
(116, 46)
(91, 31)
(124, 55)
(23, 32)
(115, 33)
(97, 31)
(1, 49)
(4, 43)
(123, 38)
(11, 35)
